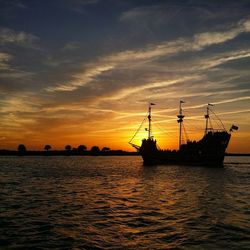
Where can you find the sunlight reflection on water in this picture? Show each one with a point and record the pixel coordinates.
(116, 203)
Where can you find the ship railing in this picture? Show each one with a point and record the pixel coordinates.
(134, 145)
(215, 130)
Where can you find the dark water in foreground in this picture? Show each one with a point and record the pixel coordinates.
(116, 203)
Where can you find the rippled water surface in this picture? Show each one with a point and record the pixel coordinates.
(116, 203)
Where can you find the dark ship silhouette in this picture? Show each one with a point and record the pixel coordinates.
(209, 151)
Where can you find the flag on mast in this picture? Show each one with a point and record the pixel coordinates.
(234, 127)
(152, 103)
(182, 101)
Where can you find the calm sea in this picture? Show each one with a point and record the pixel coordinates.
(116, 203)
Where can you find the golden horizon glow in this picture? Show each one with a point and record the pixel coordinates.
(106, 133)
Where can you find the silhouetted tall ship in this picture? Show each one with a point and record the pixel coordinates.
(208, 151)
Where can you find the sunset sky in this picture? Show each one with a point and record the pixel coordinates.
(83, 71)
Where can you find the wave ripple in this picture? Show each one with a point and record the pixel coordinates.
(116, 203)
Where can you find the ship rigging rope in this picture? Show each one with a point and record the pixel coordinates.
(211, 118)
(136, 132)
(187, 120)
(196, 128)
(215, 120)
(210, 123)
(164, 130)
(184, 128)
(218, 119)
(185, 132)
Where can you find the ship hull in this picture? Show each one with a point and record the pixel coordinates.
(209, 152)
(164, 159)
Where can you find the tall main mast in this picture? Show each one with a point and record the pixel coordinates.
(149, 120)
(180, 120)
(207, 117)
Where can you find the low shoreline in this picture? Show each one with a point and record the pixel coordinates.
(4, 152)
(66, 153)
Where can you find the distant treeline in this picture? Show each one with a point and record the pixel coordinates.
(80, 150)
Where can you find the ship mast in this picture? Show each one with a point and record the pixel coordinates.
(180, 120)
(149, 120)
(207, 117)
